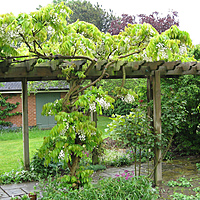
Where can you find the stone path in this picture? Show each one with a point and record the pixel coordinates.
(13, 190)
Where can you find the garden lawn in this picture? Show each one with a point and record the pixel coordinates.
(102, 125)
(11, 145)
(11, 148)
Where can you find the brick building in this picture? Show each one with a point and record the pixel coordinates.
(35, 103)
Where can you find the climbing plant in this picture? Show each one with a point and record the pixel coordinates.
(46, 35)
(6, 108)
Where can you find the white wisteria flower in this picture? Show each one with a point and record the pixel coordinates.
(62, 133)
(183, 49)
(50, 112)
(61, 155)
(104, 104)
(81, 135)
(92, 106)
(93, 133)
(128, 98)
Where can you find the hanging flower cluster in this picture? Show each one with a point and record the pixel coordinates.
(128, 98)
(61, 155)
(93, 133)
(92, 107)
(65, 129)
(81, 135)
(104, 104)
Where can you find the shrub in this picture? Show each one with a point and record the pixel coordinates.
(37, 171)
(122, 187)
(180, 115)
(37, 166)
(120, 108)
(19, 176)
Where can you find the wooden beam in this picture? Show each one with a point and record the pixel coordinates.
(25, 124)
(157, 128)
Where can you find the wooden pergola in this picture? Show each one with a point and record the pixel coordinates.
(153, 71)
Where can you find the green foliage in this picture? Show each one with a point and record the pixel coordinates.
(96, 167)
(69, 139)
(195, 51)
(45, 34)
(6, 109)
(94, 14)
(117, 159)
(37, 171)
(96, 98)
(37, 166)
(197, 189)
(18, 176)
(180, 196)
(120, 108)
(122, 187)
(132, 129)
(174, 114)
(181, 182)
(24, 197)
(198, 166)
(180, 115)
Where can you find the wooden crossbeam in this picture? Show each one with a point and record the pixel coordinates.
(52, 69)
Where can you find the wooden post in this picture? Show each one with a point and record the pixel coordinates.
(95, 156)
(150, 97)
(157, 127)
(25, 124)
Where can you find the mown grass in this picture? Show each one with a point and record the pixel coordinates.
(11, 144)
(102, 125)
(11, 147)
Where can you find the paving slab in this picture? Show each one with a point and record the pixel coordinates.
(15, 192)
(3, 194)
(10, 190)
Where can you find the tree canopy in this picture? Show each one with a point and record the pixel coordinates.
(86, 11)
(46, 34)
(159, 22)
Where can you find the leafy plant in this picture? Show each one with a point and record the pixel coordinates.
(198, 166)
(18, 176)
(180, 114)
(120, 108)
(180, 196)
(24, 197)
(6, 108)
(197, 189)
(133, 131)
(37, 166)
(117, 158)
(181, 182)
(122, 187)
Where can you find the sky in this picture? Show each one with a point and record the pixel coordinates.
(188, 11)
